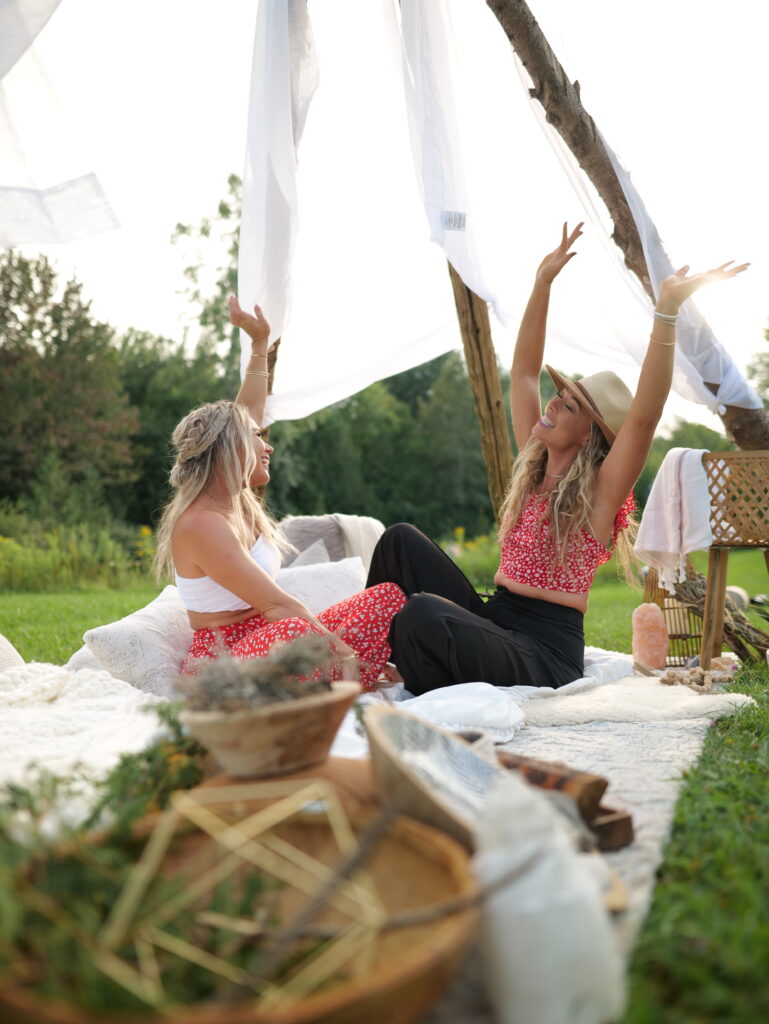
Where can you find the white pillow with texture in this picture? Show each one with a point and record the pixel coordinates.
(316, 553)
(84, 658)
(147, 647)
(9, 656)
(323, 584)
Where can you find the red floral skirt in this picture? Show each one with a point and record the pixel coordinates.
(361, 621)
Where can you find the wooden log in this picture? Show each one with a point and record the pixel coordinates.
(612, 829)
(483, 371)
(585, 789)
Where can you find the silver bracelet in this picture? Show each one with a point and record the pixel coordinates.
(258, 355)
(666, 318)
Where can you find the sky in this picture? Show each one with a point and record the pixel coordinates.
(157, 91)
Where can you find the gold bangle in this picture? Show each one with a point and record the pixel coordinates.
(257, 373)
(665, 344)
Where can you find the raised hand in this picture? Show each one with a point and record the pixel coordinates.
(255, 326)
(556, 260)
(678, 287)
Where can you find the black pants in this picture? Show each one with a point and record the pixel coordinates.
(446, 633)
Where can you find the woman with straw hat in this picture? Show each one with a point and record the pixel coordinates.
(568, 504)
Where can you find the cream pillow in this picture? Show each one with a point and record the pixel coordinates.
(9, 656)
(147, 647)
(323, 584)
(316, 553)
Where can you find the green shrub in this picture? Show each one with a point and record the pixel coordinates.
(70, 556)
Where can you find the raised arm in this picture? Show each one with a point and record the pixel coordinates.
(530, 345)
(622, 466)
(253, 390)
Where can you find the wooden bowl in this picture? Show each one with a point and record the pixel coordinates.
(276, 738)
(412, 866)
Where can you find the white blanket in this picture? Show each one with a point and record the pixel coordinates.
(58, 718)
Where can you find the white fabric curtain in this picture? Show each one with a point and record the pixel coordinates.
(368, 295)
(431, 88)
(47, 193)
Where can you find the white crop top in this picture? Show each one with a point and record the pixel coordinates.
(202, 594)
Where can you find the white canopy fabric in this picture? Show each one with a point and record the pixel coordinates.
(47, 193)
(431, 88)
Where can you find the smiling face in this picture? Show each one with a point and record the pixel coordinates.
(564, 425)
(262, 451)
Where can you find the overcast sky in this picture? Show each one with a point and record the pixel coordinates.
(158, 91)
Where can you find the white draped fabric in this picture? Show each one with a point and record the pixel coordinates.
(421, 129)
(47, 193)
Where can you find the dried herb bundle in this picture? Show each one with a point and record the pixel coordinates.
(290, 670)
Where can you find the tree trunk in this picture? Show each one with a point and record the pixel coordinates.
(483, 372)
(748, 428)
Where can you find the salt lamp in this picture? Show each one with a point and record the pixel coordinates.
(650, 636)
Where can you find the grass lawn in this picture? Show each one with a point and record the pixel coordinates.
(703, 955)
(50, 626)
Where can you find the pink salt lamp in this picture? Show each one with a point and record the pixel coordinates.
(650, 636)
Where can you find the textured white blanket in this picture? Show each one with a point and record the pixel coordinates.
(636, 732)
(58, 718)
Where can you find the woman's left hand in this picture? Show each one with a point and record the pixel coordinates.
(678, 287)
(255, 326)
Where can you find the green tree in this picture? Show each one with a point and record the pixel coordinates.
(210, 250)
(163, 383)
(445, 472)
(60, 387)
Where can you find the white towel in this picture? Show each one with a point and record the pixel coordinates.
(676, 519)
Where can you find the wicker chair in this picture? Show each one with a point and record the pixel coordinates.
(738, 484)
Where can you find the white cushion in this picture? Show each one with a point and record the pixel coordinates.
(83, 658)
(9, 656)
(323, 584)
(316, 553)
(147, 647)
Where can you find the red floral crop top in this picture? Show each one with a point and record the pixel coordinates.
(527, 558)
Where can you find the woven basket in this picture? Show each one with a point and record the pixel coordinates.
(412, 867)
(738, 487)
(683, 624)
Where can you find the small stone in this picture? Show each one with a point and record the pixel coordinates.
(650, 635)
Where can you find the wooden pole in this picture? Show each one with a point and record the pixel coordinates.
(483, 372)
(560, 100)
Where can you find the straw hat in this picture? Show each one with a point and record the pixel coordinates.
(604, 397)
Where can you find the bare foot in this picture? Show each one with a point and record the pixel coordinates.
(388, 677)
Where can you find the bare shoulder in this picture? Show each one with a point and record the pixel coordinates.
(198, 521)
(198, 533)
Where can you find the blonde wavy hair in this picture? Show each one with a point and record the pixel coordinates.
(565, 510)
(214, 438)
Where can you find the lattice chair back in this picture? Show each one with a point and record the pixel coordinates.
(738, 485)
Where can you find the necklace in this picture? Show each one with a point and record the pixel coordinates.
(556, 476)
(219, 502)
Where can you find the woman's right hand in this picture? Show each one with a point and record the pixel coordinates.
(555, 261)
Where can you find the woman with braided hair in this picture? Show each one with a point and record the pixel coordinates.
(219, 541)
(569, 502)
